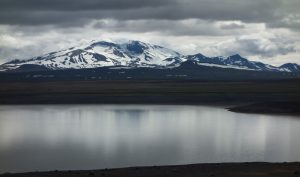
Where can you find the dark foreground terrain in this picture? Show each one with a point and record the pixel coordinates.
(276, 96)
(188, 70)
(201, 170)
(149, 92)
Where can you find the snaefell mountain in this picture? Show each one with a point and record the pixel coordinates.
(135, 59)
(102, 54)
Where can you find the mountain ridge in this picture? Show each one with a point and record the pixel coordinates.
(135, 54)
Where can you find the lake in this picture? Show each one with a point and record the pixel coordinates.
(73, 137)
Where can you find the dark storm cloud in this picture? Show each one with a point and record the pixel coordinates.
(77, 12)
(68, 12)
(74, 5)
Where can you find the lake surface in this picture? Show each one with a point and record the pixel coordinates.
(39, 138)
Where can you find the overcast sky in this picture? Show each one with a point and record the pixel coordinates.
(265, 30)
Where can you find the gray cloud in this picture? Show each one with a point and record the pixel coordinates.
(256, 45)
(189, 27)
(291, 21)
(215, 27)
(231, 26)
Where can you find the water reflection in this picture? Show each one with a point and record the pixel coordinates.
(88, 137)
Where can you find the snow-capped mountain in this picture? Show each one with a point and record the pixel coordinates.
(135, 54)
(234, 61)
(100, 54)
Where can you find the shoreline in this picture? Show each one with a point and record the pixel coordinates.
(253, 169)
(273, 108)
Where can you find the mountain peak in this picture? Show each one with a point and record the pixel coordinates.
(136, 47)
(136, 42)
(238, 59)
(103, 43)
(290, 67)
(236, 56)
(289, 64)
(199, 55)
